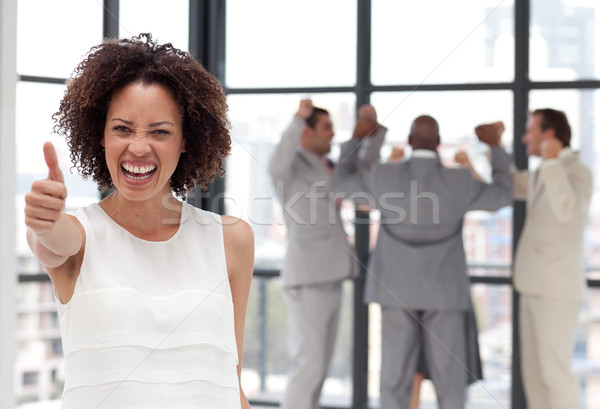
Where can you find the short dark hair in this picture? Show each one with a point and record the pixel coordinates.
(314, 116)
(114, 64)
(557, 120)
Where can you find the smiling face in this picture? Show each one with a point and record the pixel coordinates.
(534, 136)
(318, 139)
(143, 140)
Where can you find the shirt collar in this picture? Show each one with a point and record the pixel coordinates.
(564, 152)
(424, 153)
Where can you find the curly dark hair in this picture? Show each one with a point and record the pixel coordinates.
(114, 64)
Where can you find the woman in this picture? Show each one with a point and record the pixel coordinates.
(151, 292)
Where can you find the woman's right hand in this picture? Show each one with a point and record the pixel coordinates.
(52, 235)
(46, 200)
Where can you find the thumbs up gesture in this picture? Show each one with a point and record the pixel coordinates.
(46, 200)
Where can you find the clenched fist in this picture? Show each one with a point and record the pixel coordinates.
(46, 200)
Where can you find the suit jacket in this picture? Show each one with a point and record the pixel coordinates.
(317, 247)
(419, 259)
(549, 257)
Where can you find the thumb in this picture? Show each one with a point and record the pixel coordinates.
(54, 172)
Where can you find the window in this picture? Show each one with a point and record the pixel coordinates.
(257, 124)
(290, 44)
(168, 24)
(275, 54)
(475, 45)
(53, 36)
(563, 40)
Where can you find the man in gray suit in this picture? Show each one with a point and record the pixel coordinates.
(318, 256)
(417, 271)
(548, 267)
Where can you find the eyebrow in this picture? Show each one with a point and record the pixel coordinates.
(152, 125)
(155, 124)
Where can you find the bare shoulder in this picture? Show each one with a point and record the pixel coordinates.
(238, 239)
(237, 234)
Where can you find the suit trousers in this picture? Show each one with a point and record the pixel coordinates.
(548, 328)
(442, 335)
(313, 320)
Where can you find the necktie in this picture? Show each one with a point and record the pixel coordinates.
(328, 165)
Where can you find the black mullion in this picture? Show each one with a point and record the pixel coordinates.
(289, 90)
(521, 106)
(42, 80)
(360, 354)
(110, 22)
(207, 45)
(110, 29)
(485, 86)
(587, 84)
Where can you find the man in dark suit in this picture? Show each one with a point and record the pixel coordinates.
(417, 271)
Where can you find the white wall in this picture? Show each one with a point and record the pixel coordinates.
(8, 285)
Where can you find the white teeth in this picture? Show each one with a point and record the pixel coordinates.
(137, 169)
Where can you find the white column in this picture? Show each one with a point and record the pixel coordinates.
(8, 278)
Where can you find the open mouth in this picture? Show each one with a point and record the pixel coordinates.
(138, 172)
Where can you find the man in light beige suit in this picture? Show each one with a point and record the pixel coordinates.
(548, 266)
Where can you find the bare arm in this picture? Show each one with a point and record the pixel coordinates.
(55, 238)
(239, 253)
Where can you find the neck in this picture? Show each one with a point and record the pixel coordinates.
(155, 219)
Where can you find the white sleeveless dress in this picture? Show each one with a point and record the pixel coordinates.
(150, 324)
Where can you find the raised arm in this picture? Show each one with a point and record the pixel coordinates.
(280, 165)
(372, 135)
(520, 182)
(358, 155)
(239, 254)
(499, 193)
(55, 238)
(571, 193)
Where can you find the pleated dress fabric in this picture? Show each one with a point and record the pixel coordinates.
(150, 324)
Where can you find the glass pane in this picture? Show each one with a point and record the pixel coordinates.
(493, 313)
(257, 123)
(493, 305)
(473, 45)
(39, 367)
(581, 107)
(273, 43)
(564, 41)
(168, 22)
(264, 376)
(586, 360)
(53, 36)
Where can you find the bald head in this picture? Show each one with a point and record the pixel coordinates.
(424, 133)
